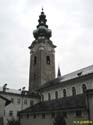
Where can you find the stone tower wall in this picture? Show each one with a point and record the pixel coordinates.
(43, 70)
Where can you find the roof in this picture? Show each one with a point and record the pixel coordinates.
(78, 73)
(71, 76)
(7, 100)
(65, 103)
(32, 95)
(11, 90)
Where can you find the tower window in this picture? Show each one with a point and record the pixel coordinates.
(35, 60)
(48, 60)
(64, 92)
(73, 91)
(84, 88)
(49, 96)
(56, 95)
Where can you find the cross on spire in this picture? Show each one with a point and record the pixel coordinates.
(42, 9)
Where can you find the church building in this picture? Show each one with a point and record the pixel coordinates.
(65, 100)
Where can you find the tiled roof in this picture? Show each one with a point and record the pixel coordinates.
(74, 75)
(66, 103)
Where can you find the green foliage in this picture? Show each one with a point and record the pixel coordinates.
(13, 122)
(59, 120)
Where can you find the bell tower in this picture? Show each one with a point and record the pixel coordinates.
(42, 56)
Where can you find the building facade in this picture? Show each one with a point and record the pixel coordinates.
(4, 102)
(67, 99)
(19, 101)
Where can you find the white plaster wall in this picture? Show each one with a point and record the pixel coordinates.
(2, 105)
(71, 117)
(15, 107)
(90, 83)
(68, 87)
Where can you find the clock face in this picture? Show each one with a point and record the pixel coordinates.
(41, 48)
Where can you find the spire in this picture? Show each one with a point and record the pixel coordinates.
(42, 9)
(42, 27)
(42, 19)
(59, 72)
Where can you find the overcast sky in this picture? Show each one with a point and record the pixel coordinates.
(71, 22)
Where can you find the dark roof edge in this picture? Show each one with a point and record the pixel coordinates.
(7, 100)
(43, 88)
(59, 110)
(16, 94)
(81, 105)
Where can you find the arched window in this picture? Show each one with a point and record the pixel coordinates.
(49, 96)
(64, 92)
(73, 91)
(56, 94)
(48, 60)
(84, 88)
(35, 60)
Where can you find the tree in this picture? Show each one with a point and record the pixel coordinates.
(59, 120)
(13, 122)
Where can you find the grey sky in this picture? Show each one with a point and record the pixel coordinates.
(71, 22)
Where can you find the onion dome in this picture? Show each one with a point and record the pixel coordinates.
(42, 29)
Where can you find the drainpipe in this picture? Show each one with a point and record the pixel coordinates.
(88, 110)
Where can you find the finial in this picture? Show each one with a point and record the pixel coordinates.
(42, 9)
(42, 28)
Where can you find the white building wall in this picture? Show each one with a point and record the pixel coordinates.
(2, 105)
(37, 121)
(15, 107)
(68, 87)
(48, 120)
(90, 83)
